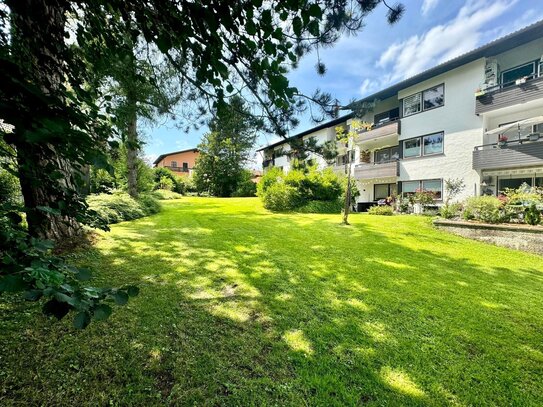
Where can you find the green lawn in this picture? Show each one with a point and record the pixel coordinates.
(242, 307)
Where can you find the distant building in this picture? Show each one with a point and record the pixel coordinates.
(180, 162)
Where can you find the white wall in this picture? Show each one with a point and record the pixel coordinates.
(463, 129)
(520, 55)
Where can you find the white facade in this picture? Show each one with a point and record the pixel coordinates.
(440, 131)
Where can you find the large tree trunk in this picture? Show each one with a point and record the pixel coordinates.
(347, 207)
(132, 150)
(38, 28)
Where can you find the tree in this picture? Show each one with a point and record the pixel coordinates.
(348, 139)
(225, 151)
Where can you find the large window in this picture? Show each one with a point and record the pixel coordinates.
(511, 75)
(432, 185)
(433, 97)
(412, 104)
(383, 191)
(386, 155)
(425, 100)
(431, 144)
(411, 148)
(185, 167)
(174, 164)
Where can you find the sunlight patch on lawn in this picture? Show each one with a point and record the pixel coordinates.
(297, 341)
(234, 310)
(391, 264)
(377, 331)
(401, 382)
(493, 305)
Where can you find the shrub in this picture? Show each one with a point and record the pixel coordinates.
(532, 215)
(321, 207)
(120, 206)
(272, 176)
(450, 211)
(424, 198)
(281, 197)
(149, 204)
(484, 209)
(165, 183)
(10, 190)
(381, 210)
(164, 194)
(246, 186)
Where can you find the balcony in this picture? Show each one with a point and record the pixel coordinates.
(379, 131)
(177, 169)
(513, 154)
(268, 163)
(373, 170)
(521, 91)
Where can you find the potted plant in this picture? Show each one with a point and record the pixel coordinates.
(520, 81)
(479, 92)
(502, 140)
(365, 156)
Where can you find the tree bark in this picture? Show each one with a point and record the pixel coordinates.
(347, 207)
(38, 28)
(132, 149)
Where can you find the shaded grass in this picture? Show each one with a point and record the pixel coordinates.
(239, 306)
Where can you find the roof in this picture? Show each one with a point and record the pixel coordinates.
(162, 156)
(326, 125)
(498, 46)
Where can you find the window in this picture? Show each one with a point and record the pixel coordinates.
(512, 183)
(387, 116)
(432, 185)
(412, 104)
(386, 155)
(185, 167)
(410, 187)
(433, 144)
(411, 148)
(174, 164)
(433, 97)
(425, 100)
(511, 75)
(383, 191)
(344, 158)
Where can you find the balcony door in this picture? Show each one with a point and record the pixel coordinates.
(383, 191)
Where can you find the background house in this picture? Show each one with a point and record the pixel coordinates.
(180, 162)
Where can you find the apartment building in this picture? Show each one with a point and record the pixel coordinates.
(180, 162)
(477, 117)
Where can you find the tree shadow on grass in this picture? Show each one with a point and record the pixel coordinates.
(259, 309)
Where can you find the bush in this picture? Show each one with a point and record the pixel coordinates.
(532, 215)
(281, 197)
(10, 190)
(164, 194)
(272, 176)
(321, 207)
(246, 186)
(450, 211)
(381, 210)
(165, 183)
(120, 206)
(484, 209)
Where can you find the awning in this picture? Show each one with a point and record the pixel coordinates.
(522, 124)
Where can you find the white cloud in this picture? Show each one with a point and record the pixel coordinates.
(427, 6)
(444, 41)
(368, 86)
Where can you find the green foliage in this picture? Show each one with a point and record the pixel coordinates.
(381, 210)
(165, 183)
(225, 151)
(450, 211)
(164, 194)
(309, 183)
(453, 186)
(483, 208)
(101, 181)
(28, 266)
(10, 190)
(532, 215)
(321, 207)
(119, 206)
(246, 187)
(424, 198)
(524, 195)
(281, 197)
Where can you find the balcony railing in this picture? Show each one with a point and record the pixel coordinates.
(377, 170)
(509, 94)
(511, 154)
(177, 169)
(380, 130)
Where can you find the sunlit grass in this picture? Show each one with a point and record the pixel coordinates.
(241, 307)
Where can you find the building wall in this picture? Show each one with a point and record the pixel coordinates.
(463, 130)
(187, 157)
(520, 55)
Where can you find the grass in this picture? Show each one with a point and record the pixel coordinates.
(242, 307)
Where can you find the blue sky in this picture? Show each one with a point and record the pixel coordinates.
(430, 32)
